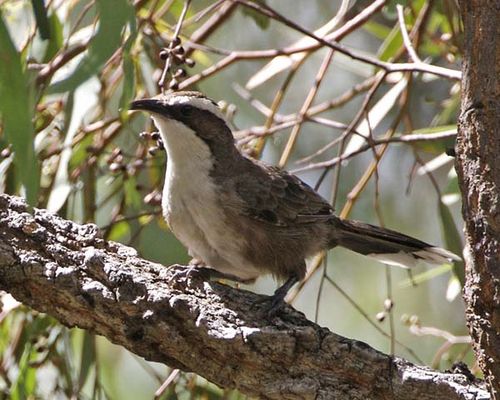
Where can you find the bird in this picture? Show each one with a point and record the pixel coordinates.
(242, 218)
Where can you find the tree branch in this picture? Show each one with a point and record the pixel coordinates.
(67, 270)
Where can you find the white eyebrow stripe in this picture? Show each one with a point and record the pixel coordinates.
(198, 102)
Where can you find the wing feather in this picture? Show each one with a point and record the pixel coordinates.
(274, 196)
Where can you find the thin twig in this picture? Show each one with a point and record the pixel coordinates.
(406, 38)
(386, 66)
(414, 138)
(164, 386)
(305, 107)
(168, 61)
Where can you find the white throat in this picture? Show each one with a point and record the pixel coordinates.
(187, 154)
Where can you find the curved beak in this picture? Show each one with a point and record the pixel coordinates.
(151, 105)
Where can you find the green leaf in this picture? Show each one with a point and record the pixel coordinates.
(378, 30)
(119, 231)
(425, 276)
(56, 38)
(391, 44)
(452, 239)
(16, 110)
(25, 384)
(42, 21)
(260, 19)
(436, 146)
(113, 16)
(88, 359)
(128, 74)
(436, 129)
(132, 196)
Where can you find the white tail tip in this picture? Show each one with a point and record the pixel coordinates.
(431, 255)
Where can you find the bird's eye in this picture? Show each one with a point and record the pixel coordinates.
(186, 111)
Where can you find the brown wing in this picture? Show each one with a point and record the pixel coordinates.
(279, 198)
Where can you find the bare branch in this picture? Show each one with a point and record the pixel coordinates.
(406, 38)
(67, 270)
(411, 138)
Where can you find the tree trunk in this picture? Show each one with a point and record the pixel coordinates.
(478, 168)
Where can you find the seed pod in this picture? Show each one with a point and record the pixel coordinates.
(176, 41)
(152, 150)
(155, 135)
(180, 73)
(174, 85)
(178, 50)
(380, 316)
(5, 152)
(145, 135)
(164, 54)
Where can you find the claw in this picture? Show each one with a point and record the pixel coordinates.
(186, 274)
(277, 300)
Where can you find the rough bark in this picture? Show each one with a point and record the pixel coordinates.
(478, 168)
(67, 270)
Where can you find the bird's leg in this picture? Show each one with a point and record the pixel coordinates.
(277, 300)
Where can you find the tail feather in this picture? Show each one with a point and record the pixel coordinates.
(388, 246)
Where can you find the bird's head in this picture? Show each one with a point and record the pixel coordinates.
(189, 123)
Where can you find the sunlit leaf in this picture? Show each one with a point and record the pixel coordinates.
(4, 168)
(280, 63)
(437, 162)
(16, 110)
(25, 384)
(119, 231)
(113, 16)
(454, 288)
(375, 116)
(391, 44)
(80, 153)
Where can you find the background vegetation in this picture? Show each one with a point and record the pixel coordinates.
(368, 124)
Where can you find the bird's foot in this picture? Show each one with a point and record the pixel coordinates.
(275, 303)
(189, 273)
(196, 262)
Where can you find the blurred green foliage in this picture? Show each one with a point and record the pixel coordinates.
(68, 144)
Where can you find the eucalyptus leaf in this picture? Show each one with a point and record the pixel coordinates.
(129, 82)
(16, 110)
(114, 15)
(260, 19)
(88, 359)
(42, 21)
(453, 240)
(56, 38)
